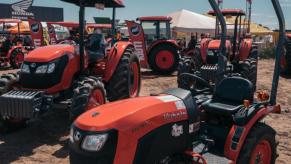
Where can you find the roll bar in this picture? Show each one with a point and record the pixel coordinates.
(279, 50)
(221, 19)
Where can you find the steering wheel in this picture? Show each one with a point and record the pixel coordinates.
(189, 80)
(70, 42)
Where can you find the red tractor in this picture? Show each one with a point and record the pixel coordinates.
(241, 53)
(12, 50)
(154, 46)
(182, 126)
(77, 76)
(286, 59)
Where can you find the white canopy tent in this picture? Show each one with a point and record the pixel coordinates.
(188, 21)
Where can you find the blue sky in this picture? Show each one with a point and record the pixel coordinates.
(262, 9)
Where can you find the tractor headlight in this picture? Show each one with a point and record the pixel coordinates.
(41, 69)
(94, 142)
(51, 67)
(25, 68)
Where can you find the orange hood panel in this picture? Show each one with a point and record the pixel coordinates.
(215, 44)
(127, 114)
(49, 53)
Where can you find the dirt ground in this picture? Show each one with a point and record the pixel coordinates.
(45, 140)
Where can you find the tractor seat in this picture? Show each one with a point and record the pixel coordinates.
(229, 96)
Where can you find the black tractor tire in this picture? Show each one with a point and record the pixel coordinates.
(135, 75)
(254, 52)
(189, 65)
(186, 65)
(260, 132)
(248, 69)
(152, 59)
(84, 87)
(13, 58)
(287, 70)
(119, 86)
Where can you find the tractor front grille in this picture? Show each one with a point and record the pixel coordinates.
(33, 80)
(209, 72)
(20, 104)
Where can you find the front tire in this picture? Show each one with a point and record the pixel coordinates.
(89, 92)
(260, 146)
(164, 59)
(126, 80)
(16, 58)
(248, 69)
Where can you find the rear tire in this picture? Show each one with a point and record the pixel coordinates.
(89, 92)
(262, 135)
(189, 65)
(164, 63)
(135, 76)
(248, 70)
(16, 58)
(121, 85)
(286, 68)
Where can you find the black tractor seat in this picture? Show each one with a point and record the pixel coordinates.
(229, 96)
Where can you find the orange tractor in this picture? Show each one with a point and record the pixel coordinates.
(77, 76)
(12, 47)
(154, 46)
(241, 52)
(184, 126)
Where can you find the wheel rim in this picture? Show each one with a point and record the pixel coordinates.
(19, 58)
(165, 59)
(134, 79)
(262, 153)
(96, 99)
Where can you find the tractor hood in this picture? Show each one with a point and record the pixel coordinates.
(49, 53)
(132, 113)
(215, 44)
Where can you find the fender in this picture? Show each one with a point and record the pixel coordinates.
(234, 154)
(114, 57)
(144, 117)
(288, 36)
(137, 37)
(203, 48)
(170, 41)
(52, 34)
(36, 32)
(245, 49)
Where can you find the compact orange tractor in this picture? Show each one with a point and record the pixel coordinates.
(286, 59)
(184, 126)
(12, 48)
(77, 76)
(154, 46)
(241, 52)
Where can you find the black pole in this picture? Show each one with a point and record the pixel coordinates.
(222, 22)
(113, 32)
(250, 17)
(279, 50)
(81, 31)
(18, 28)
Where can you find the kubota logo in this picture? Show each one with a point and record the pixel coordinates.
(34, 27)
(135, 30)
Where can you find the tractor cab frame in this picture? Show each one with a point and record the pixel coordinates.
(154, 46)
